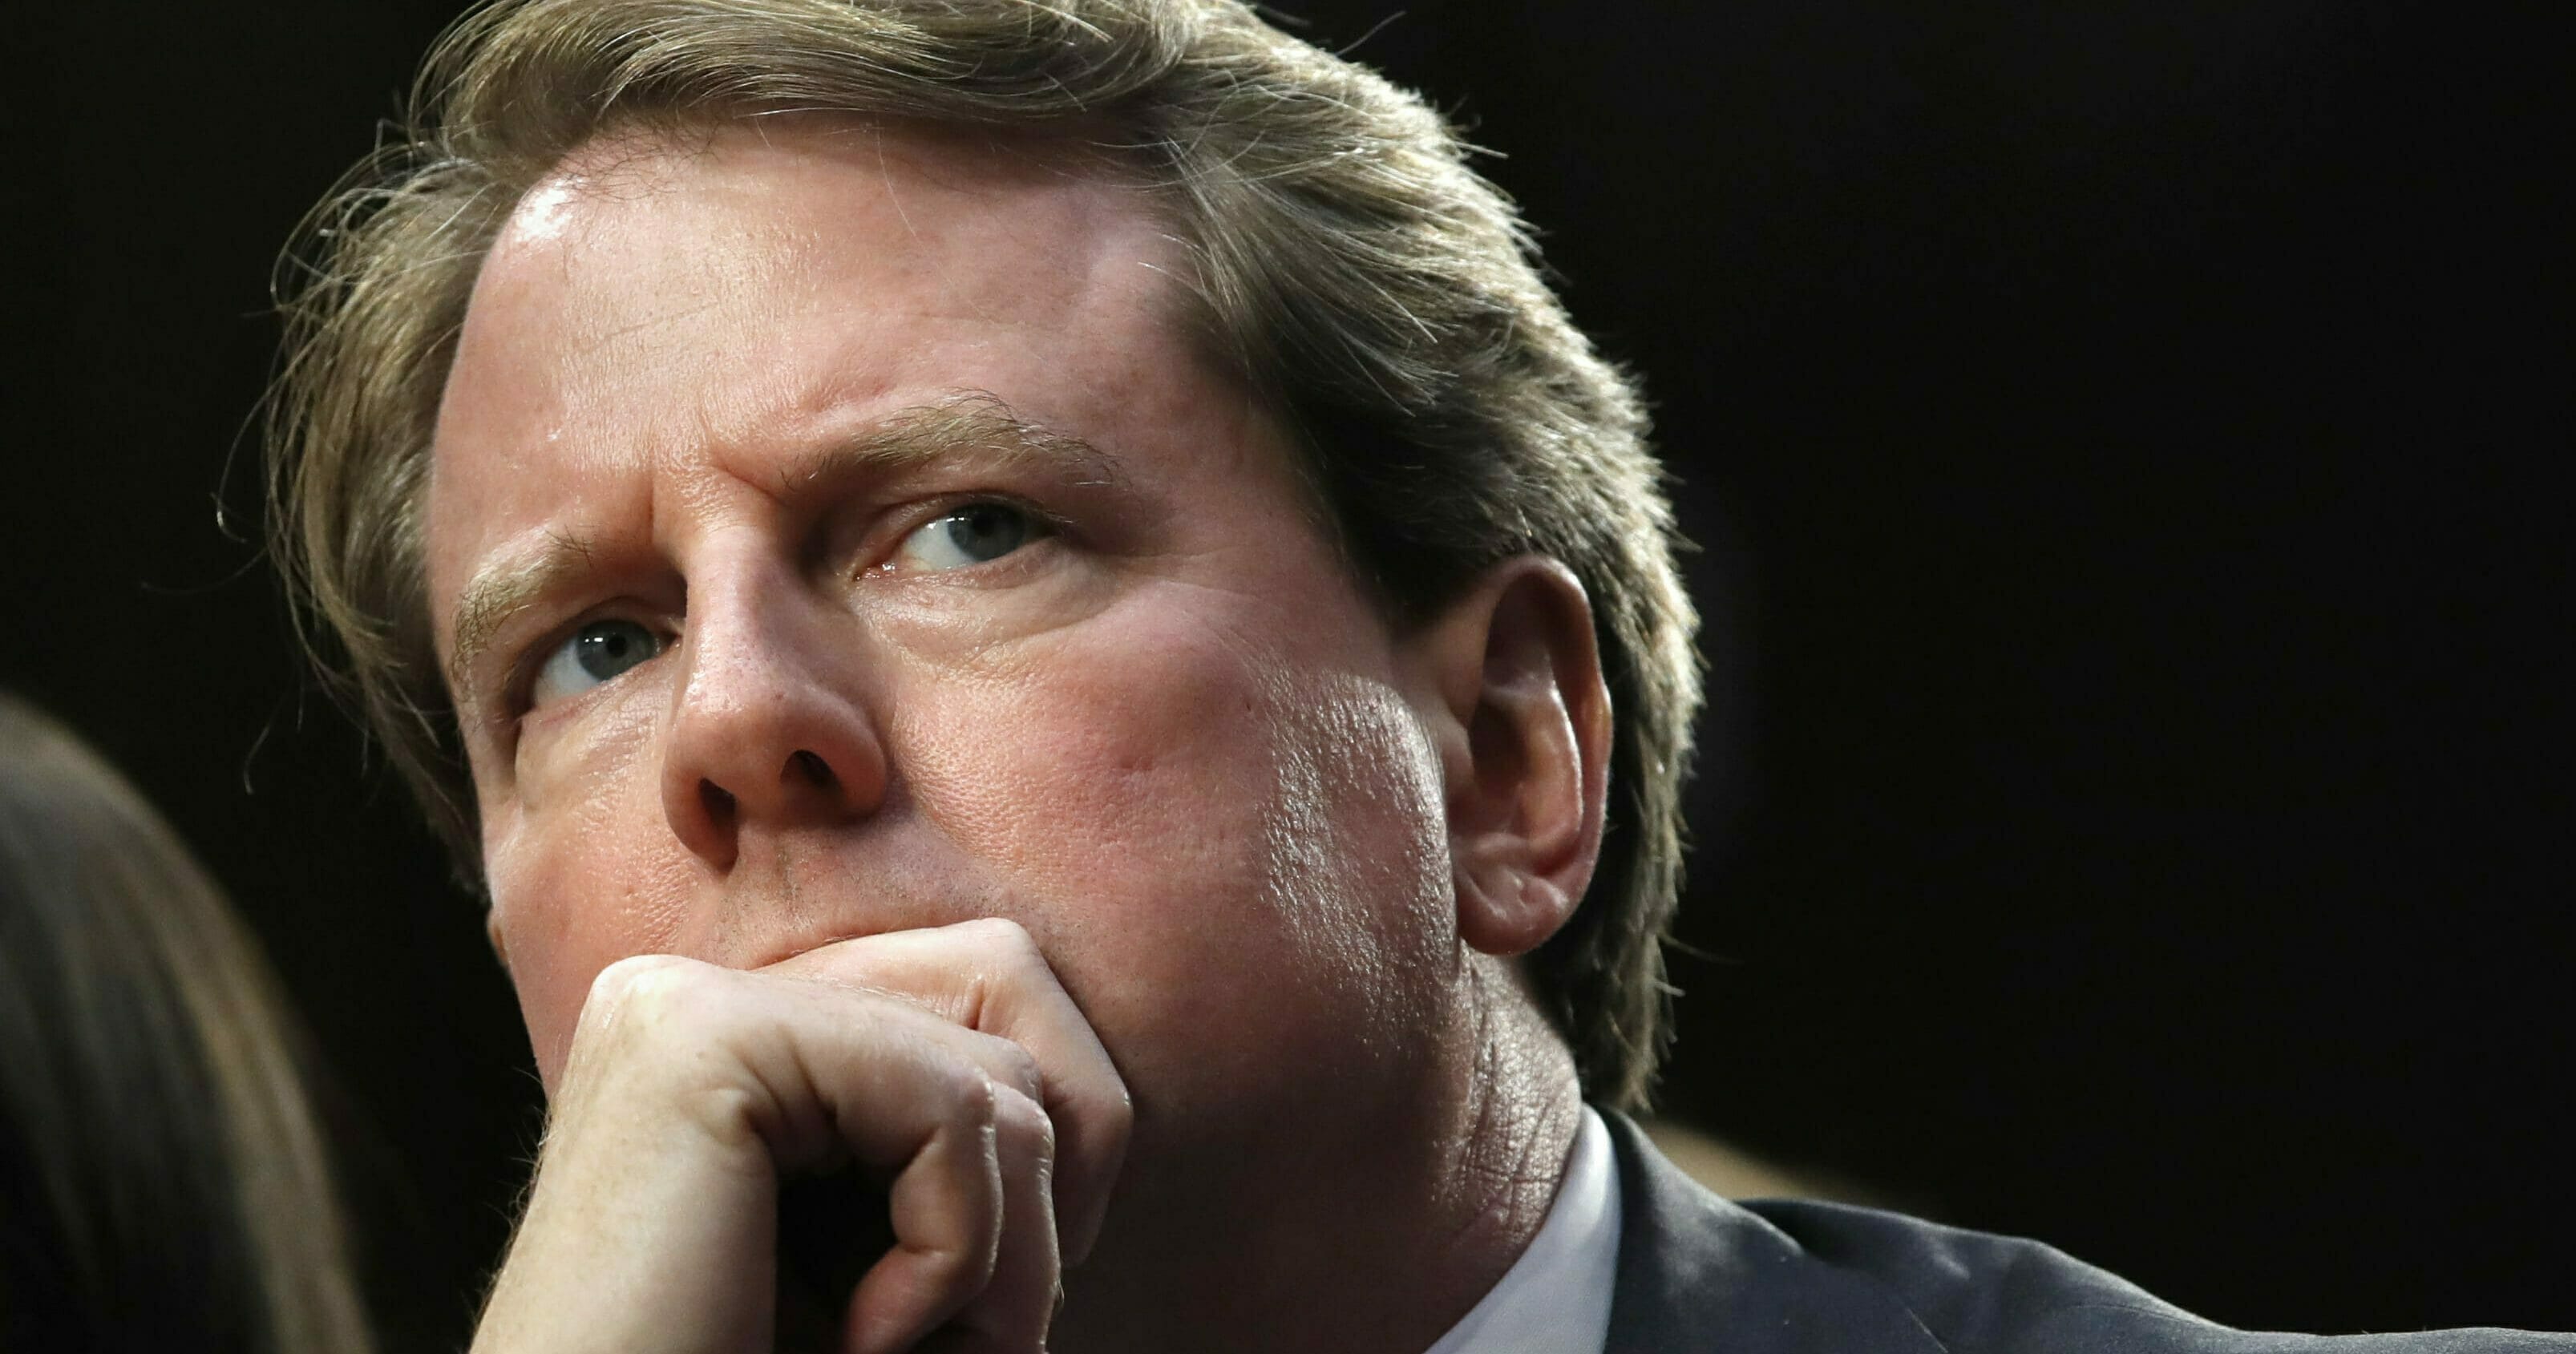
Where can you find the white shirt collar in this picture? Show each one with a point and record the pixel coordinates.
(1555, 1299)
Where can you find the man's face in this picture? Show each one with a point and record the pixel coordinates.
(832, 531)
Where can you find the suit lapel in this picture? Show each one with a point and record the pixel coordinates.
(1698, 1275)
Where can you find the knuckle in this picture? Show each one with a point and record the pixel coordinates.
(1005, 937)
(637, 1008)
(971, 1096)
(1024, 1121)
(1110, 1110)
(1103, 1145)
(962, 1270)
(641, 985)
(1020, 1072)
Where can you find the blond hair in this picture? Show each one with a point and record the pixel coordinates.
(1346, 261)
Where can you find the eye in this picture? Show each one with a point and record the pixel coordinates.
(594, 654)
(973, 534)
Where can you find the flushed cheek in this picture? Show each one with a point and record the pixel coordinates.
(1238, 846)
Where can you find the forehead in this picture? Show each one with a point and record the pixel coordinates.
(705, 299)
(772, 208)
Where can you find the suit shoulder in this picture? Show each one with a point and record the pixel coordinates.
(1988, 1294)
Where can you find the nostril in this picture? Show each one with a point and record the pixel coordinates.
(813, 768)
(718, 801)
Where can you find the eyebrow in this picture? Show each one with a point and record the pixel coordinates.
(502, 589)
(974, 422)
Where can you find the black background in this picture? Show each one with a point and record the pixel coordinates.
(2125, 439)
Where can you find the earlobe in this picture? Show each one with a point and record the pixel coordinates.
(492, 933)
(1507, 908)
(1524, 751)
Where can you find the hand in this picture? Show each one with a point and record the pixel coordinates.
(947, 1063)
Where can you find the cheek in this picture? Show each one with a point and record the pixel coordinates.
(1236, 847)
(575, 890)
(1354, 836)
(1084, 770)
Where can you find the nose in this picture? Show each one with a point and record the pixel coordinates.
(768, 731)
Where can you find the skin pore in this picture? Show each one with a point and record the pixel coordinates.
(852, 574)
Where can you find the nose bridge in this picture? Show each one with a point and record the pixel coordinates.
(738, 640)
(768, 727)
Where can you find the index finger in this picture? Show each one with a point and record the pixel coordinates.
(989, 976)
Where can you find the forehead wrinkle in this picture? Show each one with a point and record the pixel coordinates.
(501, 590)
(976, 422)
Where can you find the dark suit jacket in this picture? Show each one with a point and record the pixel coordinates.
(1699, 1275)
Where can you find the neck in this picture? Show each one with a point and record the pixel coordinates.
(1373, 1232)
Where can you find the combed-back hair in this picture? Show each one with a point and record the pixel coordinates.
(163, 1185)
(1384, 298)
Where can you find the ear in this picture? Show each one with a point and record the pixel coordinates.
(1521, 721)
(492, 933)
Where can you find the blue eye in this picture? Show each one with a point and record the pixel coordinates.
(595, 653)
(974, 534)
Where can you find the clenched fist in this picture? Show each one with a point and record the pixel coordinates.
(946, 1065)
